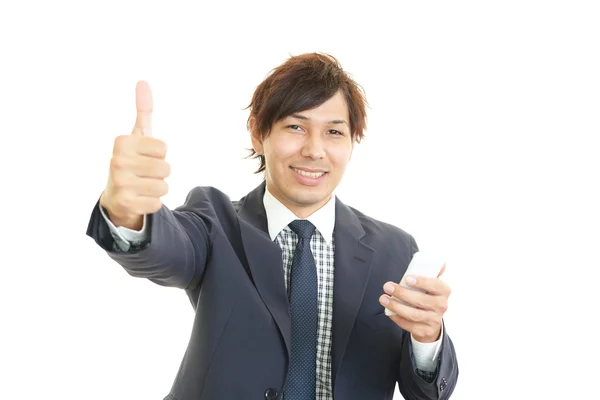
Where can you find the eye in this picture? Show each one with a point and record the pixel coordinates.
(294, 127)
(336, 132)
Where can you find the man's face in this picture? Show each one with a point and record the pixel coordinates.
(306, 155)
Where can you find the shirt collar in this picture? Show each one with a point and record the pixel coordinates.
(279, 216)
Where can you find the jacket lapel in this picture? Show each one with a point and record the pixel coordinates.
(352, 269)
(265, 261)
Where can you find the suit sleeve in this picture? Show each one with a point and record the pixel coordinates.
(124, 238)
(413, 386)
(174, 254)
(439, 385)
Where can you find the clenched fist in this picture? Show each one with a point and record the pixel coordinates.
(138, 169)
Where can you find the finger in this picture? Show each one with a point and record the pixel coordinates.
(150, 187)
(424, 301)
(151, 147)
(144, 105)
(404, 311)
(431, 285)
(403, 323)
(126, 167)
(149, 167)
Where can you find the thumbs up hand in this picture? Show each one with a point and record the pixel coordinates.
(138, 169)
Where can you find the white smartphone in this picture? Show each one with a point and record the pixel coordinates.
(422, 264)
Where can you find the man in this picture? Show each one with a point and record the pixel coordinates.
(287, 283)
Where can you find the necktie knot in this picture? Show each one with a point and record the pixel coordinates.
(302, 228)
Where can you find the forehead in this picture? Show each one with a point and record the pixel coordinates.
(333, 109)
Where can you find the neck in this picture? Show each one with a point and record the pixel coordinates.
(305, 212)
(301, 211)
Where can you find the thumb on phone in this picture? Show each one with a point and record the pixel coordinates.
(442, 270)
(144, 106)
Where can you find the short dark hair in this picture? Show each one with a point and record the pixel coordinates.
(301, 83)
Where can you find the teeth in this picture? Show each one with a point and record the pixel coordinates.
(309, 174)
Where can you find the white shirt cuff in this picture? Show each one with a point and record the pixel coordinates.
(426, 354)
(125, 237)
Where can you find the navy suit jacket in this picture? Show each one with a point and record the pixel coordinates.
(221, 254)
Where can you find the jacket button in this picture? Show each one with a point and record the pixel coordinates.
(270, 394)
(443, 384)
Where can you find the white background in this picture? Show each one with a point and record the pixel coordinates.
(482, 143)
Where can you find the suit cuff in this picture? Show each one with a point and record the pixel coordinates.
(124, 237)
(426, 354)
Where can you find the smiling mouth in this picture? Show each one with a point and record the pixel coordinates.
(313, 175)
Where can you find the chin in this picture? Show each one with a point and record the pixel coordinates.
(308, 198)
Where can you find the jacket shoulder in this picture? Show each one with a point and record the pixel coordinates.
(384, 232)
(203, 194)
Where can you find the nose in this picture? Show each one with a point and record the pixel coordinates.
(313, 146)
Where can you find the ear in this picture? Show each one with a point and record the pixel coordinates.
(257, 143)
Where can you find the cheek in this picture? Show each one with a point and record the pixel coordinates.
(280, 150)
(340, 156)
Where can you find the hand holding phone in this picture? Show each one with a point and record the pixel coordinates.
(422, 264)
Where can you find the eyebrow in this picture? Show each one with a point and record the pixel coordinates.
(333, 122)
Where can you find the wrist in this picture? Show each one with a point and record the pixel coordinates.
(131, 221)
(428, 338)
(134, 223)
